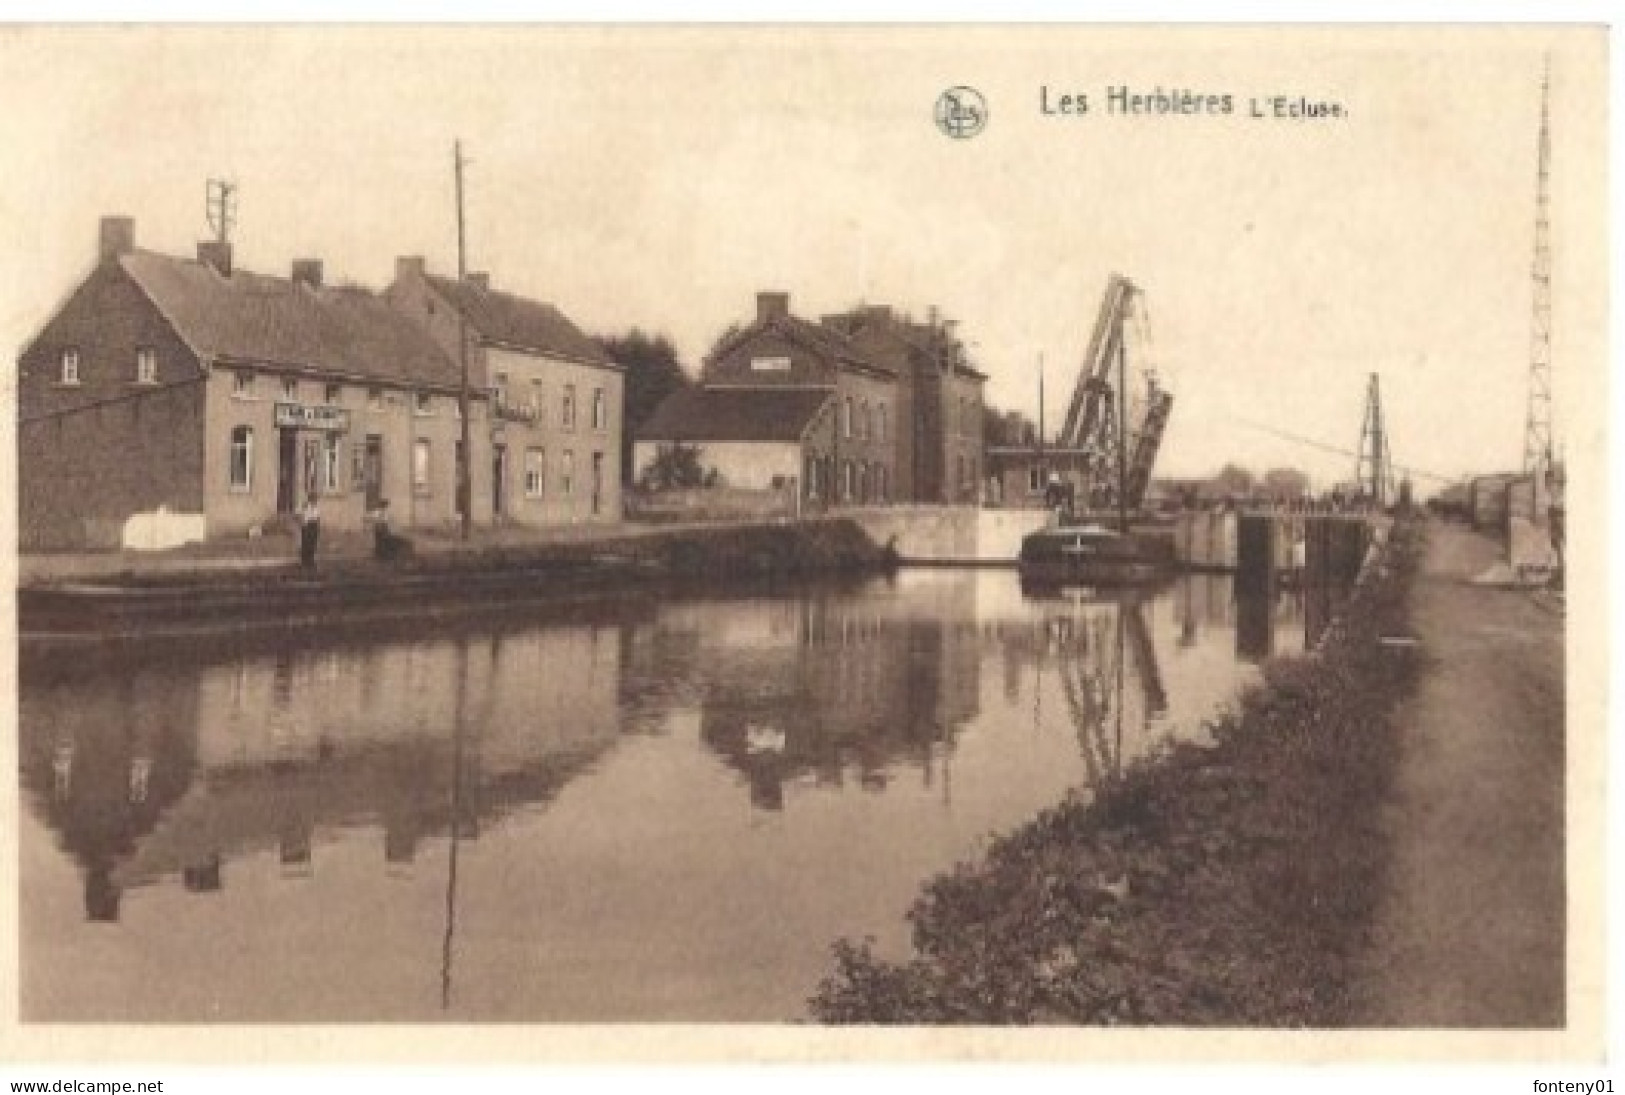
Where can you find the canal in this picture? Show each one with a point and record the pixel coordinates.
(638, 809)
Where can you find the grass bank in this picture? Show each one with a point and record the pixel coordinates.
(1231, 885)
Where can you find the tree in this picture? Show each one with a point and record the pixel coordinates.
(1288, 484)
(1007, 428)
(653, 372)
(674, 467)
(1233, 481)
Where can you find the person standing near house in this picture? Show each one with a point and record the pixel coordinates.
(310, 531)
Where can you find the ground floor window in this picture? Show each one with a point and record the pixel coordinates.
(567, 473)
(882, 486)
(242, 458)
(851, 485)
(330, 464)
(420, 466)
(535, 472)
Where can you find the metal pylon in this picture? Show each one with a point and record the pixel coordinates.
(1537, 430)
(1374, 472)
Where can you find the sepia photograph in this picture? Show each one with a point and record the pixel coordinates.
(805, 542)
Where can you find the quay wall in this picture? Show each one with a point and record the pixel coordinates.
(967, 535)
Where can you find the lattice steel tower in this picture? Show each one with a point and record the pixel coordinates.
(1374, 472)
(1537, 429)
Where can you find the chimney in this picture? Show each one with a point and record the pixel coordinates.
(480, 279)
(215, 254)
(308, 272)
(117, 237)
(772, 306)
(409, 266)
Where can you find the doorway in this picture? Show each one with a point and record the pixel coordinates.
(372, 470)
(597, 482)
(287, 470)
(499, 479)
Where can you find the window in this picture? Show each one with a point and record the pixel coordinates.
(330, 464)
(242, 459)
(567, 409)
(535, 472)
(863, 421)
(537, 397)
(851, 484)
(600, 410)
(358, 465)
(423, 403)
(333, 394)
(290, 388)
(567, 473)
(420, 466)
(882, 422)
(1035, 481)
(882, 483)
(146, 365)
(70, 366)
(375, 399)
(846, 418)
(242, 385)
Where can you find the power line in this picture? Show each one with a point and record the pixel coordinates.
(1338, 450)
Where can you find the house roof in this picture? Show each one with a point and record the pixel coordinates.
(734, 414)
(251, 318)
(819, 339)
(519, 322)
(881, 321)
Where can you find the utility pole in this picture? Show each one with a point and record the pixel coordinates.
(465, 490)
(1537, 429)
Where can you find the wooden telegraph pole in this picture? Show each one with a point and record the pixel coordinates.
(465, 490)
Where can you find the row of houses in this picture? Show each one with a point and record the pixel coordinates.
(180, 398)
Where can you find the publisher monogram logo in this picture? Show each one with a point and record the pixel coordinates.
(961, 112)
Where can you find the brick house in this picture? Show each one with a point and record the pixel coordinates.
(896, 417)
(554, 443)
(938, 434)
(173, 399)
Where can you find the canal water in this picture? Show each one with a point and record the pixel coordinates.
(638, 809)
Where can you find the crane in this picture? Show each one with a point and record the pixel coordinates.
(1114, 422)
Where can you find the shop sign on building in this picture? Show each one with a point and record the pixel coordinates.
(300, 416)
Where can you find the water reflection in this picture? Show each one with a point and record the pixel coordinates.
(666, 811)
(841, 691)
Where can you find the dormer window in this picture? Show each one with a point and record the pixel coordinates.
(290, 388)
(70, 366)
(146, 365)
(242, 385)
(424, 403)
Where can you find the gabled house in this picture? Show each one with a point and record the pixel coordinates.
(553, 446)
(171, 399)
(841, 423)
(897, 418)
(938, 431)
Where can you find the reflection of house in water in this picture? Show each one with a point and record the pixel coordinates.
(842, 689)
(102, 767)
(175, 772)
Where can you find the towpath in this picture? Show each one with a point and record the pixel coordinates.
(1471, 930)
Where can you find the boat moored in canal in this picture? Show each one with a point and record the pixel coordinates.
(1088, 554)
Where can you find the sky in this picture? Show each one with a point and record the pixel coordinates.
(661, 177)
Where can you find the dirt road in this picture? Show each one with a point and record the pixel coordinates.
(1471, 930)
